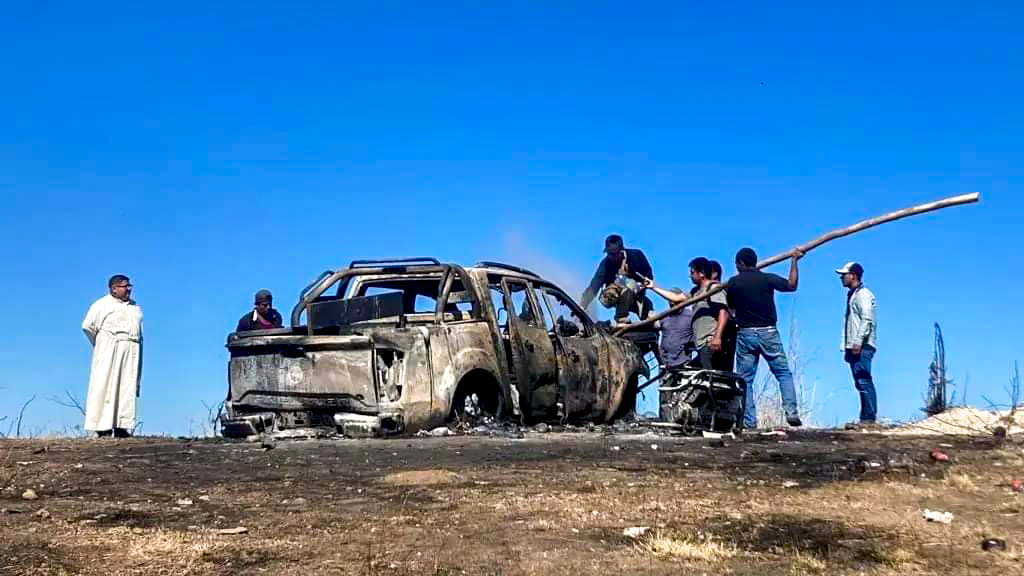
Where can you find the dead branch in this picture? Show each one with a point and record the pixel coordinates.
(805, 248)
(992, 405)
(1014, 389)
(21, 414)
(69, 401)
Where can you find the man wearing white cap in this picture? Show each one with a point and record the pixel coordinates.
(859, 333)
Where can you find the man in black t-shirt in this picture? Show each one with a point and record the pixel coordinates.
(751, 294)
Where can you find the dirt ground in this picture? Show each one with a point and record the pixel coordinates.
(813, 502)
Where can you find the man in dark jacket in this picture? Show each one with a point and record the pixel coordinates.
(620, 278)
(263, 315)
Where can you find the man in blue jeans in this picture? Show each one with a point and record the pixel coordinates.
(859, 329)
(751, 294)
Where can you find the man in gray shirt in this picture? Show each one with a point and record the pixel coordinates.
(710, 316)
(677, 336)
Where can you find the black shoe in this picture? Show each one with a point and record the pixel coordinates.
(122, 433)
(103, 433)
(794, 421)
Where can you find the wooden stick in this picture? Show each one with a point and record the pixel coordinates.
(805, 248)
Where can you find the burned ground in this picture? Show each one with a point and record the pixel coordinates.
(812, 502)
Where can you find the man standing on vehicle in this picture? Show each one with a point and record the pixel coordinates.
(113, 326)
(752, 296)
(859, 329)
(621, 274)
(263, 315)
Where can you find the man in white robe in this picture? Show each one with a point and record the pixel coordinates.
(113, 326)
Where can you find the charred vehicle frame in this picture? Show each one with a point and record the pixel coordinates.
(386, 346)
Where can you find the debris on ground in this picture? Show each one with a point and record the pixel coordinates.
(729, 435)
(184, 502)
(42, 513)
(438, 432)
(790, 484)
(901, 462)
(268, 442)
(233, 531)
(993, 545)
(936, 516)
(1017, 486)
(967, 421)
(542, 428)
(939, 456)
(29, 494)
(635, 532)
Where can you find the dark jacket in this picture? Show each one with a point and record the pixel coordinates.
(637, 264)
(246, 323)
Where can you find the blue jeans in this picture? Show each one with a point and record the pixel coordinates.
(860, 367)
(751, 344)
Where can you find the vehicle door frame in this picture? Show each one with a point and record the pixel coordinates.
(533, 356)
(581, 360)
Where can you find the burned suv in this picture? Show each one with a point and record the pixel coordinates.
(386, 346)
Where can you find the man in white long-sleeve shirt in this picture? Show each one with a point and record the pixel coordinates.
(859, 336)
(113, 326)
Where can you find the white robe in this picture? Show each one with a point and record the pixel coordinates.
(114, 328)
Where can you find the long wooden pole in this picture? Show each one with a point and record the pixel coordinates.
(805, 248)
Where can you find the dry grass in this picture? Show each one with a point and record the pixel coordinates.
(703, 549)
(960, 481)
(156, 548)
(420, 478)
(899, 558)
(804, 563)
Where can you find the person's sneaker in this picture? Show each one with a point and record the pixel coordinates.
(864, 426)
(794, 421)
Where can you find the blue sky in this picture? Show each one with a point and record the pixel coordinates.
(209, 151)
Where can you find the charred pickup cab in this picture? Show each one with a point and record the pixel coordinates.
(387, 346)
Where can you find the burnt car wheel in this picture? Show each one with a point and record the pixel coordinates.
(477, 397)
